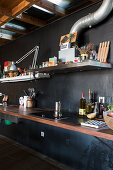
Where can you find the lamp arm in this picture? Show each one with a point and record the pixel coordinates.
(36, 49)
(25, 56)
(35, 58)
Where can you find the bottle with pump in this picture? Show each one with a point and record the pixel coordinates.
(82, 106)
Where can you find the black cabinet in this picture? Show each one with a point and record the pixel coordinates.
(76, 150)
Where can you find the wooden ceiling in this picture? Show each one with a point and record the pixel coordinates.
(19, 12)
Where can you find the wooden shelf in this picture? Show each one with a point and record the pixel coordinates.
(24, 78)
(82, 66)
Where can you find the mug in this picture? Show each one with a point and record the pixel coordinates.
(21, 101)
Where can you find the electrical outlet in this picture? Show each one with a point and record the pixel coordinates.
(42, 134)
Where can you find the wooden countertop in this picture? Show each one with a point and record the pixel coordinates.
(26, 113)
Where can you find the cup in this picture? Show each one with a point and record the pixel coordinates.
(21, 101)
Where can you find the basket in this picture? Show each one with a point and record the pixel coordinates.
(108, 119)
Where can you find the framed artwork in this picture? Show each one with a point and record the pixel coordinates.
(68, 38)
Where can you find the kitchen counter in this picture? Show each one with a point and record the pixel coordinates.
(70, 122)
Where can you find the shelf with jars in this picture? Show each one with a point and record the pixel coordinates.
(24, 77)
(72, 67)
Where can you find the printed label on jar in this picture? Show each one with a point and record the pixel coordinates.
(82, 112)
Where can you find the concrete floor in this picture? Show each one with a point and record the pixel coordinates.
(14, 156)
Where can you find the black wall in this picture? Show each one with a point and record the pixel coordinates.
(64, 87)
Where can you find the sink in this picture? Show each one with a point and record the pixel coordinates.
(48, 115)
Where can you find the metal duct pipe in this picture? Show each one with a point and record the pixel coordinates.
(93, 18)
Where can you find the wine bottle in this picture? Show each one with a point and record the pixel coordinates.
(82, 106)
(92, 101)
(89, 105)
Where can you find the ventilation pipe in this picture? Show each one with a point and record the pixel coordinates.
(93, 18)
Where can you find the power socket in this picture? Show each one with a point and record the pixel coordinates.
(42, 134)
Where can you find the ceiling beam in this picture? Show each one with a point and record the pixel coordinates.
(5, 15)
(72, 9)
(4, 11)
(21, 7)
(16, 13)
(79, 6)
(50, 7)
(4, 19)
(31, 20)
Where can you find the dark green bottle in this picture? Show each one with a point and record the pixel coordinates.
(82, 106)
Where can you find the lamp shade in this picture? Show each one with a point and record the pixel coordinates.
(13, 67)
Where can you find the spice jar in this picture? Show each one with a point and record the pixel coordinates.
(11, 74)
(30, 102)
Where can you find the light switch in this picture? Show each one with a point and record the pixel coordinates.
(42, 134)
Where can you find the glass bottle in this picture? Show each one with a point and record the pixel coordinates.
(82, 106)
(92, 101)
(101, 106)
(89, 105)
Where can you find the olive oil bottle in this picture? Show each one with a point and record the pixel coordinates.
(91, 103)
(82, 106)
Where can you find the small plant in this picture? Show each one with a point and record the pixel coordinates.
(85, 50)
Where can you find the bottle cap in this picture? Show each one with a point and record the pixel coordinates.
(82, 95)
